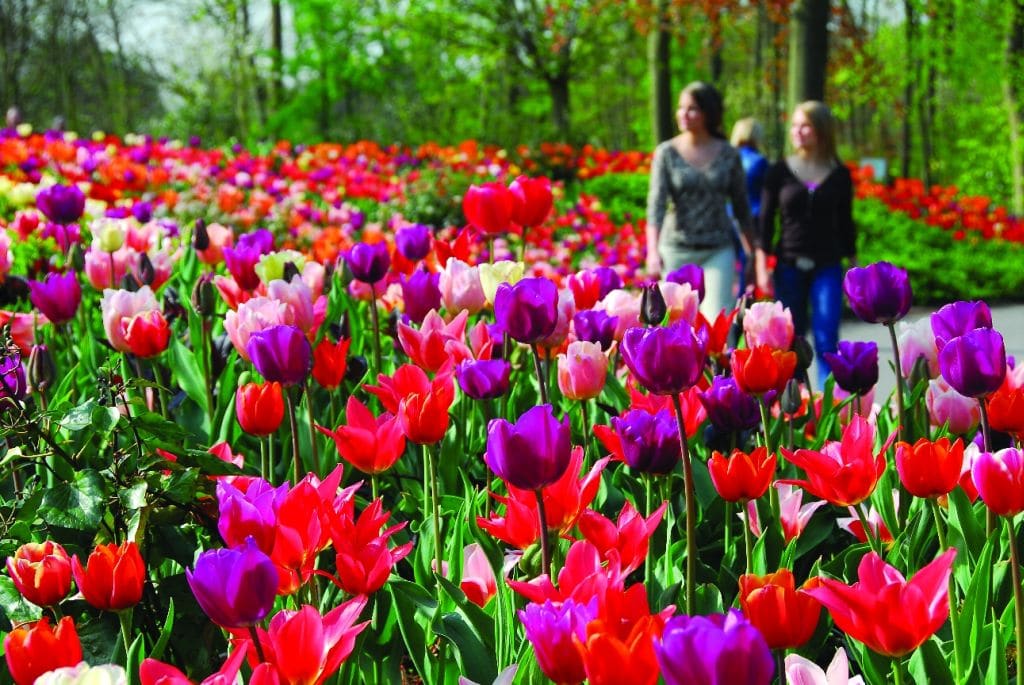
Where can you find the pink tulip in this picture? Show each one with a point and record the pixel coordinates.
(313, 275)
(162, 263)
(566, 310)
(298, 303)
(999, 477)
(946, 404)
(582, 370)
(682, 300)
(461, 288)
(436, 342)
(794, 516)
(478, 581)
(801, 671)
(23, 328)
(119, 307)
(626, 306)
(768, 323)
(5, 254)
(97, 266)
(917, 340)
(220, 237)
(253, 315)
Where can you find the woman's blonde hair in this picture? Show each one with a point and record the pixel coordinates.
(824, 124)
(747, 133)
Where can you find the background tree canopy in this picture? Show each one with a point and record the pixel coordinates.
(910, 80)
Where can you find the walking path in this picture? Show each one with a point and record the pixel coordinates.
(1007, 319)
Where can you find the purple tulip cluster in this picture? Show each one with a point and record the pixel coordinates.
(972, 354)
(532, 453)
(650, 442)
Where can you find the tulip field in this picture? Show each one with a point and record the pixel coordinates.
(354, 414)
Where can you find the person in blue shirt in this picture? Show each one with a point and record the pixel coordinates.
(746, 138)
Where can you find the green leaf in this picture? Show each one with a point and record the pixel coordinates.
(188, 374)
(134, 496)
(472, 632)
(410, 600)
(79, 417)
(79, 504)
(15, 607)
(929, 665)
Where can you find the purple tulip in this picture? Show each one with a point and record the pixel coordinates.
(528, 310)
(368, 262)
(61, 204)
(241, 259)
(608, 279)
(689, 274)
(957, 318)
(974, 363)
(728, 407)
(720, 649)
(595, 326)
(57, 296)
(236, 588)
(420, 294)
(251, 514)
(650, 442)
(550, 628)
(281, 353)
(485, 379)
(142, 211)
(64, 236)
(854, 366)
(12, 378)
(532, 453)
(879, 292)
(666, 360)
(413, 242)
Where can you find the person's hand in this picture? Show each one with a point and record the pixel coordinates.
(653, 265)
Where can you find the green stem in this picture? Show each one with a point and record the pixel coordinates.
(667, 495)
(986, 434)
(897, 670)
(951, 590)
(773, 494)
(436, 507)
(586, 436)
(260, 656)
(125, 618)
(691, 510)
(375, 486)
(545, 543)
(312, 429)
(780, 665)
(264, 459)
(376, 329)
(868, 533)
(648, 507)
(540, 374)
(1018, 601)
(899, 382)
(296, 458)
(748, 537)
(726, 522)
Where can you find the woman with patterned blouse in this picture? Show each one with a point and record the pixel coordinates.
(694, 177)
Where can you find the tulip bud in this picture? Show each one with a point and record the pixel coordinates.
(357, 368)
(129, 283)
(804, 353)
(652, 305)
(147, 274)
(41, 369)
(791, 401)
(290, 271)
(200, 236)
(77, 258)
(920, 372)
(204, 298)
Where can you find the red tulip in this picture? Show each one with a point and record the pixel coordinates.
(532, 200)
(41, 572)
(889, 614)
(612, 658)
(147, 334)
(843, 473)
(330, 360)
(762, 369)
(371, 444)
(786, 616)
(488, 207)
(113, 576)
(300, 535)
(930, 469)
(999, 479)
(259, 408)
(1006, 410)
(627, 538)
(306, 648)
(421, 404)
(717, 332)
(435, 343)
(742, 476)
(363, 559)
(33, 649)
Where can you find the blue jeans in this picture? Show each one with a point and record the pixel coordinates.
(821, 289)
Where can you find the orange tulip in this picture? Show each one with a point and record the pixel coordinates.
(786, 616)
(34, 649)
(742, 476)
(113, 576)
(762, 369)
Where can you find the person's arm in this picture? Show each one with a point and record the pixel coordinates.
(657, 202)
(765, 235)
(740, 201)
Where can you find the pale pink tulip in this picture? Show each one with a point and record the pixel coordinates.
(946, 404)
(917, 340)
(118, 307)
(566, 310)
(801, 671)
(5, 254)
(626, 306)
(794, 516)
(251, 316)
(682, 300)
(220, 237)
(768, 323)
(582, 370)
(461, 288)
(478, 581)
(97, 266)
(297, 300)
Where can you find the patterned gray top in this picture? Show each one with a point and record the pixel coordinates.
(699, 218)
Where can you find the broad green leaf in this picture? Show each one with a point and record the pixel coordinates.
(188, 373)
(79, 504)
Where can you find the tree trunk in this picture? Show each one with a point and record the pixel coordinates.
(558, 87)
(658, 58)
(808, 51)
(122, 103)
(910, 32)
(1013, 84)
(277, 55)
